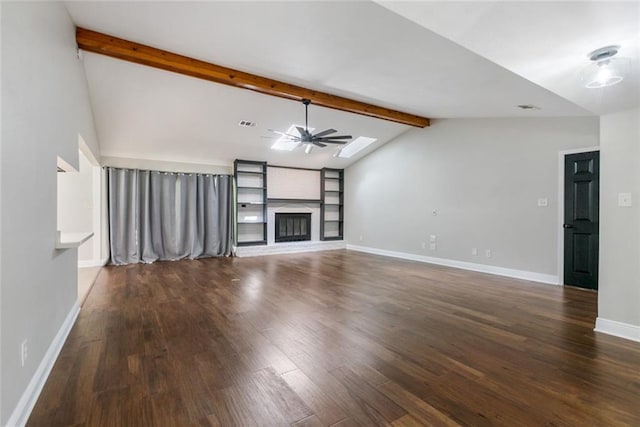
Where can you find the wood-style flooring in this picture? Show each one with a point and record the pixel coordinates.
(336, 338)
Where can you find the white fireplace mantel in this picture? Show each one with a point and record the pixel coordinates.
(272, 248)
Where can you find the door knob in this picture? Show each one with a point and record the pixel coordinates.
(567, 226)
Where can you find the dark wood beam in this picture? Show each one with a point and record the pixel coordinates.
(104, 44)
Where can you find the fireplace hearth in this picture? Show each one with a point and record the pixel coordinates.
(292, 227)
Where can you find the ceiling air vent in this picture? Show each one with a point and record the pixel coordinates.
(246, 124)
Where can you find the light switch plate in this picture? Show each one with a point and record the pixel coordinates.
(624, 200)
(433, 238)
(543, 202)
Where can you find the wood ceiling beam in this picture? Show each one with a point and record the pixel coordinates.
(104, 44)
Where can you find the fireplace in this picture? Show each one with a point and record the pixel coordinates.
(292, 227)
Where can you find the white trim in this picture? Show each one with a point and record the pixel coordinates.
(96, 196)
(65, 240)
(64, 165)
(27, 401)
(560, 235)
(483, 268)
(288, 248)
(86, 263)
(618, 329)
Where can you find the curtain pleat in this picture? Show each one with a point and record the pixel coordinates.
(163, 216)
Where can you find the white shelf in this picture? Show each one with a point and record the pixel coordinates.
(71, 240)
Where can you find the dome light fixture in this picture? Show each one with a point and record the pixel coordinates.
(604, 70)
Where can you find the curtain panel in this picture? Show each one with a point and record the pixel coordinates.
(168, 216)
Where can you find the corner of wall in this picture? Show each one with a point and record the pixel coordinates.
(618, 329)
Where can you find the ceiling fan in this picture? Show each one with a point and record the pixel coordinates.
(320, 139)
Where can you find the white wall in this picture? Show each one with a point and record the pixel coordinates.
(1, 136)
(619, 287)
(483, 177)
(160, 165)
(289, 183)
(44, 107)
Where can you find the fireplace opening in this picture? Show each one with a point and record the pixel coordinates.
(293, 227)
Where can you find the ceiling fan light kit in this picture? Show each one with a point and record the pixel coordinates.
(306, 138)
(604, 70)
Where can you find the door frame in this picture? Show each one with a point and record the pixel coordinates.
(560, 230)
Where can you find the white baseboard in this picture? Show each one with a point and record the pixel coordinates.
(85, 263)
(483, 268)
(27, 401)
(618, 329)
(288, 248)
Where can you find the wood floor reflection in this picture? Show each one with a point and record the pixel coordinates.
(335, 338)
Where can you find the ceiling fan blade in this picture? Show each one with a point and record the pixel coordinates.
(324, 132)
(284, 134)
(328, 141)
(326, 138)
(302, 131)
(319, 144)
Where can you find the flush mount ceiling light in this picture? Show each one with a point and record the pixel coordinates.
(604, 70)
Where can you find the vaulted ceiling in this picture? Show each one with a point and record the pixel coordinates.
(433, 59)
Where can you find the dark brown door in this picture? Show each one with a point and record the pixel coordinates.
(581, 212)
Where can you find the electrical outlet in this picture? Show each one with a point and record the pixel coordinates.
(487, 253)
(433, 238)
(434, 212)
(432, 246)
(474, 251)
(24, 353)
(424, 245)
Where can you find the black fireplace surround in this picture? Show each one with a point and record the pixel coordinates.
(293, 227)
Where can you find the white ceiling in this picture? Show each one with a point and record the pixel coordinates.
(544, 42)
(148, 113)
(355, 49)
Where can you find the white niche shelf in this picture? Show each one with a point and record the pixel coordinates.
(71, 240)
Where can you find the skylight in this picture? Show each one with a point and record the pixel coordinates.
(284, 143)
(355, 146)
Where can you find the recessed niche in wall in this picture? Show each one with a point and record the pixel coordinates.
(74, 195)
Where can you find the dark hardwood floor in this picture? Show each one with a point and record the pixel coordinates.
(336, 338)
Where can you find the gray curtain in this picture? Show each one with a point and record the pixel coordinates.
(165, 216)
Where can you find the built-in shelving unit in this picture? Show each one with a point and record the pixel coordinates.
(250, 202)
(332, 206)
